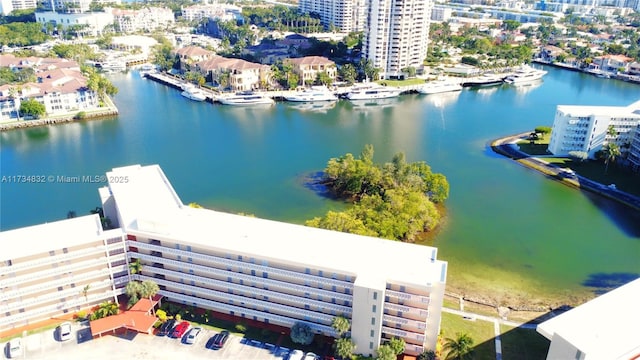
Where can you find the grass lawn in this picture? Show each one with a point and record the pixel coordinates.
(523, 344)
(480, 331)
(402, 82)
(538, 147)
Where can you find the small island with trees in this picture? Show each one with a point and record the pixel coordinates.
(396, 200)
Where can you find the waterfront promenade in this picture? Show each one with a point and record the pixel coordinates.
(508, 147)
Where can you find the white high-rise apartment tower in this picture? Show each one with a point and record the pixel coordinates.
(346, 15)
(397, 34)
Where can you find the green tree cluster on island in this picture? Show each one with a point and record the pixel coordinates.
(395, 200)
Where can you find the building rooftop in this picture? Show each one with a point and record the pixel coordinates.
(582, 110)
(49, 236)
(602, 328)
(148, 204)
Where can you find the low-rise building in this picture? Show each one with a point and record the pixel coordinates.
(224, 12)
(602, 328)
(240, 75)
(92, 23)
(612, 63)
(190, 55)
(146, 19)
(60, 87)
(309, 67)
(586, 128)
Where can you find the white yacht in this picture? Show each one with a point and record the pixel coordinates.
(484, 80)
(525, 74)
(190, 91)
(246, 98)
(441, 86)
(315, 93)
(371, 91)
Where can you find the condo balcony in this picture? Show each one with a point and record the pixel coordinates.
(408, 336)
(404, 323)
(244, 312)
(48, 260)
(248, 267)
(243, 302)
(255, 292)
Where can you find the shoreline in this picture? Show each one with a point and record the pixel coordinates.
(108, 110)
(506, 147)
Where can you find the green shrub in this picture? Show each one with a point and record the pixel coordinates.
(80, 116)
(81, 315)
(240, 327)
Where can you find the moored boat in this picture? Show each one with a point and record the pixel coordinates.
(246, 98)
(484, 80)
(313, 94)
(370, 91)
(190, 91)
(441, 86)
(525, 74)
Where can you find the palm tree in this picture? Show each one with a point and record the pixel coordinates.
(85, 291)
(344, 347)
(459, 348)
(340, 324)
(135, 267)
(610, 152)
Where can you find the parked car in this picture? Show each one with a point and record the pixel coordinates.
(193, 333)
(310, 356)
(15, 348)
(219, 340)
(296, 355)
(180, 329)
(64, 331)
(167, 327)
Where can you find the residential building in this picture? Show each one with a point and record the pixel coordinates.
(275, 272)
(242, 75)
(309, 67)
(94, 23)
(60, 87)
(397, 36)
(190, 55)
(634, 150)
(147, 19)
(247, 267)
(344, 15)
(613, 63)
(73, 6)
(602, 328)
(224, 12)
(586, 128)
(67, 266)
(7, 6)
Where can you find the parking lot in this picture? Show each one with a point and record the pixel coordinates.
(132, 345)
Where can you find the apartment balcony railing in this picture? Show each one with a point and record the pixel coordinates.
(218, 306)
(48, 273)
(270, 283)
(224, 297)
(409, 336)
(392, 321)
(58, 258)
(52, 296)
(275, 296)
(36, 314)
(407, 297)
(245, 266)
(76, 278)
(408, 312)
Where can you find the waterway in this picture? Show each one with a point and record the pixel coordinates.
(509, 232)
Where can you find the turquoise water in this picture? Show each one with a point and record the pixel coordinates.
(507, 228)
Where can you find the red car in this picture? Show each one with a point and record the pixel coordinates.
(180, 329)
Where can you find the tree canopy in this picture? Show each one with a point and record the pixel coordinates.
(395, 200)
(33, 108)
(301, 333)
(22, 34)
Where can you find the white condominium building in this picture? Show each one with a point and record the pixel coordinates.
(586, 128)
(251, 268)
(74, 6)
(396, 35)
(146, 19)
(346, 15)
(57, 268)
(7, 6)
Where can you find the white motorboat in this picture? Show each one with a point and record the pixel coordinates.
(372, 91)
(246, 98)
(484, 80)
(313, 94)
(437, 87)
(525, 74)
(190, 91)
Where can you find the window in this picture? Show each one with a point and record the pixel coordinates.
(373, 321)
(375, 295)
(373, 309)
(371, 345)
(372, 333)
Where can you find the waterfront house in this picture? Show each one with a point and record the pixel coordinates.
(549, 53)
(246, 267)
(189, 55)
(309, 67)
(612, 63)
(59, 87)
(236, 74)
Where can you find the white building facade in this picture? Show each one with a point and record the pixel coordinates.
(7, 6)
(397, 35)
(250, 268)
(586, 128)
(67, 266)
(346, 15)
(94, 22)
(146, 19)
